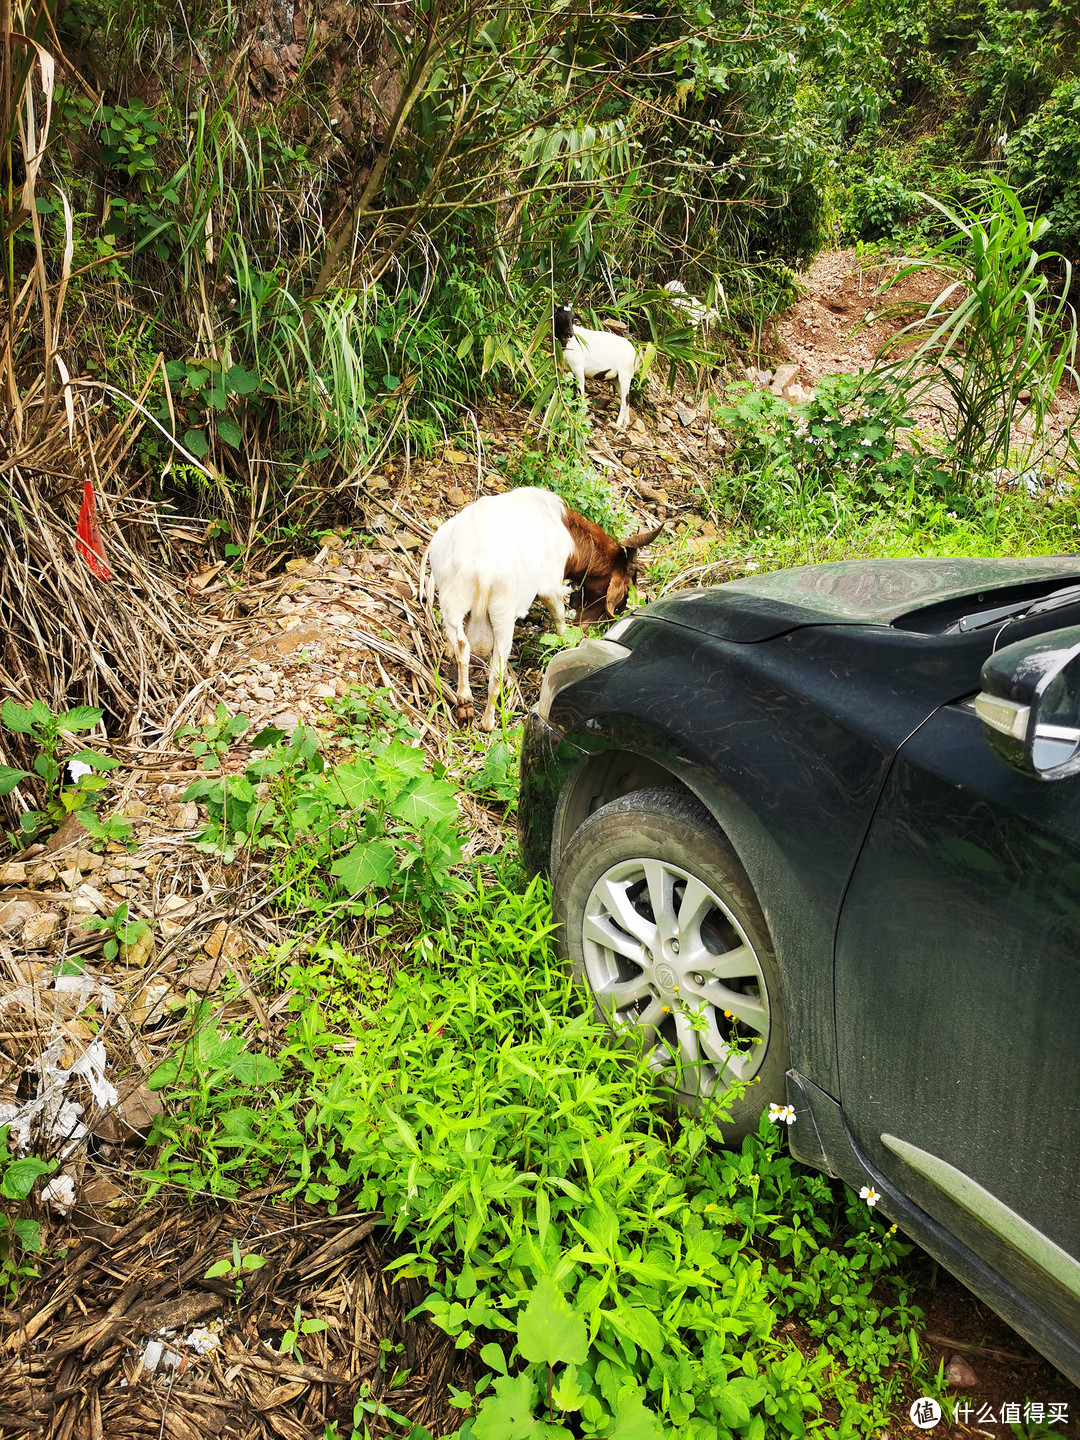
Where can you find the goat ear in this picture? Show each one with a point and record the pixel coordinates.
(640, 540)
(617, 591)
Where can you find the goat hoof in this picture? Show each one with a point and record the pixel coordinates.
(464, 712)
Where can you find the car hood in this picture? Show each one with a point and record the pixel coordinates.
(907, 594)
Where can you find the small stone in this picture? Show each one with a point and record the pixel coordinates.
(129, 1121)
(70, 832)
(187, 816)
(43, 874)
(686, 417)
(785, 374)
(70, 878)
(87, 861)
(106, 1200)
(134, 809)
(262, 692)
(15, 914)
(286, 720)
(205, 977)
(323, 692)
(960, 1375)
(456, 496)
(225, 942)
(13, 873)
(139, 951)
(39, 930)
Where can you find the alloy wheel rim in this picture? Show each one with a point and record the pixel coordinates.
(669, 962)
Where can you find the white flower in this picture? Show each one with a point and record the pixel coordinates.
(866, 442)
(1003, 139)
(782, 1114)
(78, 768)
(870, 1195)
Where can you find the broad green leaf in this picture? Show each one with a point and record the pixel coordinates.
(508, 1413)
(492, 1356)
(229, 431)
(253, 1262)
(196, 442)
(99, 762)
(28, 1234)
(240, 381)
(83, 717)
(425, 801)
(20, 1175)
(14, 718)
(567, 1394)
(634, 1422)
(548, 1329)
(372, 862)
(10, 777)
(255, 1069)
(219, 1267)
(358, 784)
(163, 1074)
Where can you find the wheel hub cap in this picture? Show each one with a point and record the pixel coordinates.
(669, 961)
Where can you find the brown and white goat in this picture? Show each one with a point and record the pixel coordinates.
(494, 558)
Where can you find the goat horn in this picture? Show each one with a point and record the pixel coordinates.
(642, 538)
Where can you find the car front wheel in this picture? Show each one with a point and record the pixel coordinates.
(658, 919)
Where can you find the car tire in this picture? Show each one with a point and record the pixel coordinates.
(698, 987)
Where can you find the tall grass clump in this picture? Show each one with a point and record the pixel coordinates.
(998, 342)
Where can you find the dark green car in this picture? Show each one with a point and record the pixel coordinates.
(818, 832)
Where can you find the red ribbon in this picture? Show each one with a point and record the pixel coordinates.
(88, 537)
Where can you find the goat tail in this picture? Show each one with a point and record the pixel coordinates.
(427, 581)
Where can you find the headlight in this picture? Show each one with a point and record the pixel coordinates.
(571, 665)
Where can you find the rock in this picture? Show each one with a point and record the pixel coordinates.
(323, 692)
(186, 816)
(286, 720)
(225, 942)
(106, 1200)
(128, 1122)
(40, 929)
(87, 861)
(456, 496)
(13, 873)
(72, 831)
(88, 901)
(262, 692)
(960, 1375)
(43, 874)
(134, 809)
(686, 417)
(70, 878)
(15, 914)
(785, 374)
(206, 976)
(139, 951)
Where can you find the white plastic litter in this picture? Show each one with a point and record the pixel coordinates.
(51, 1113)
(59, 1193)
(203, 1339)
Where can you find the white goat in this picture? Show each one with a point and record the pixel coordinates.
(597, 354)
(490, 561)
(696, 311)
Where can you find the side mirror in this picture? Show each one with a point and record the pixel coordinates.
(1030, 703)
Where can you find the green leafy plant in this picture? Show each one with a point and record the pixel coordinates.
(20, 1235)
(289, 1341)
(49, 731)
(996, 338)
(236, 1268)
(124, 934)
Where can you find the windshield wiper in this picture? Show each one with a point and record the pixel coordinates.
(980, 618)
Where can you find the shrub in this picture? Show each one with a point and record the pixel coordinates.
(1045, 158)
